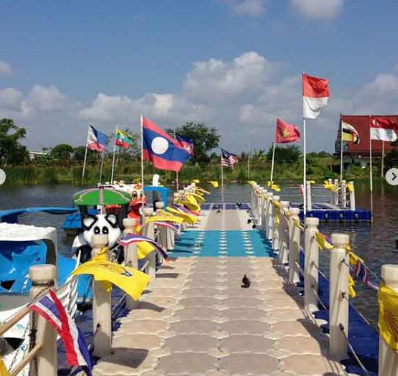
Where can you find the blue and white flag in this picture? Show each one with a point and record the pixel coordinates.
(52, 310)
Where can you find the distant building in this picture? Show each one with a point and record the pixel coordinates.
(359, 153)
(35, 154)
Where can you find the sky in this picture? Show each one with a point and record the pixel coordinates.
(232, 64)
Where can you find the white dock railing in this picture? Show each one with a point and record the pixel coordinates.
(42, 355)
(283, 228)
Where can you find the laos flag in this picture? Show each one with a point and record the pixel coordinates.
(163, 151)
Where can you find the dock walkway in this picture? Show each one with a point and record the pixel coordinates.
(195, 319)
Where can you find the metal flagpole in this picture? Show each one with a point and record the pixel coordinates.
(102, 166)
(382, 160)
(84, 164)
(273, 161)
(142, 153)
(222, 179)
(114, 151)
(248, 161)
(341, 148)
(305, 171)
(177, 182)
(371, 168)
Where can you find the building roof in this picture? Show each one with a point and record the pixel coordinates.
(361, 124)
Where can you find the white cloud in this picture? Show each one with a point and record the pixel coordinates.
(319, 9)
(5, 68)
(240, 97)
(251, 8)
(215, 80)
(10, 98)
(46, 98)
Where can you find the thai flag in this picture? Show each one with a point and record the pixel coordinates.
(96, 140)
(362, 272)
(51, 308)
(186, 143)
(170, 225)
(164, 152)
(185, 210)
(134, 238)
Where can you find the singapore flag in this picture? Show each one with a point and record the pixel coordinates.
(315, 95)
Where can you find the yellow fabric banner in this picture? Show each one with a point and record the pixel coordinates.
(214, 183)
(3, 369)
(165, 217)
(191, 219)
(130, 280)
(322, 242)
(388, 316)
(196, 181)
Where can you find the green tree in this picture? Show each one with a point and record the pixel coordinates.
(11, 151)
(204, 138)
(62, 152)
(289, 154)
(78, 155)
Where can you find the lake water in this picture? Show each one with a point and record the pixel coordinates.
(373, 242)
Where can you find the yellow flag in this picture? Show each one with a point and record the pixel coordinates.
(130, 280)
(144, 249)
(201, 191)
(196, 181)
(191, 219)
(388, 316)
(165, 217)
(322, 242)
(214, 183)
(190, 203)
(197, 197)
(275, 187)
(3, 369)
(251, 182)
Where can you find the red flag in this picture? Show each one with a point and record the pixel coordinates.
(383, 129)
(286, 132)
(315, 95)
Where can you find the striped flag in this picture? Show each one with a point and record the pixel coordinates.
(52, 310)
(135, 238)
(228, 159)
(315, 96)
(165, 224)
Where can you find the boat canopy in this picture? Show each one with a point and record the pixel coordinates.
(101, 196)
(11, 216)
(13, 232)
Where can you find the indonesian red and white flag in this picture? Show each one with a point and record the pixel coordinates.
(315, 95)
(383, 129)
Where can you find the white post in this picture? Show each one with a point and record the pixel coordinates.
(388, 359)
(352, 196)
(222, 179)
(283, 234)
(84, 164)
(270, 216)
(149, 231)
(102, 308)
(338, 297)
(43, 276)
(264, 210)
(311, 263)
(294, 246)
(341, 149)
(336, 192)
(130, 257)
(275, 232)
(309, 196)
(343, 194)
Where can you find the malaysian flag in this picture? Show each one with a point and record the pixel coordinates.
(52, 310)
(228, 159)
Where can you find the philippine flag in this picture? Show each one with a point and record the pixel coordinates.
(96, 140)
(163, 151)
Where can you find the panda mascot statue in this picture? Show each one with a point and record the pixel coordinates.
(100, 224)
